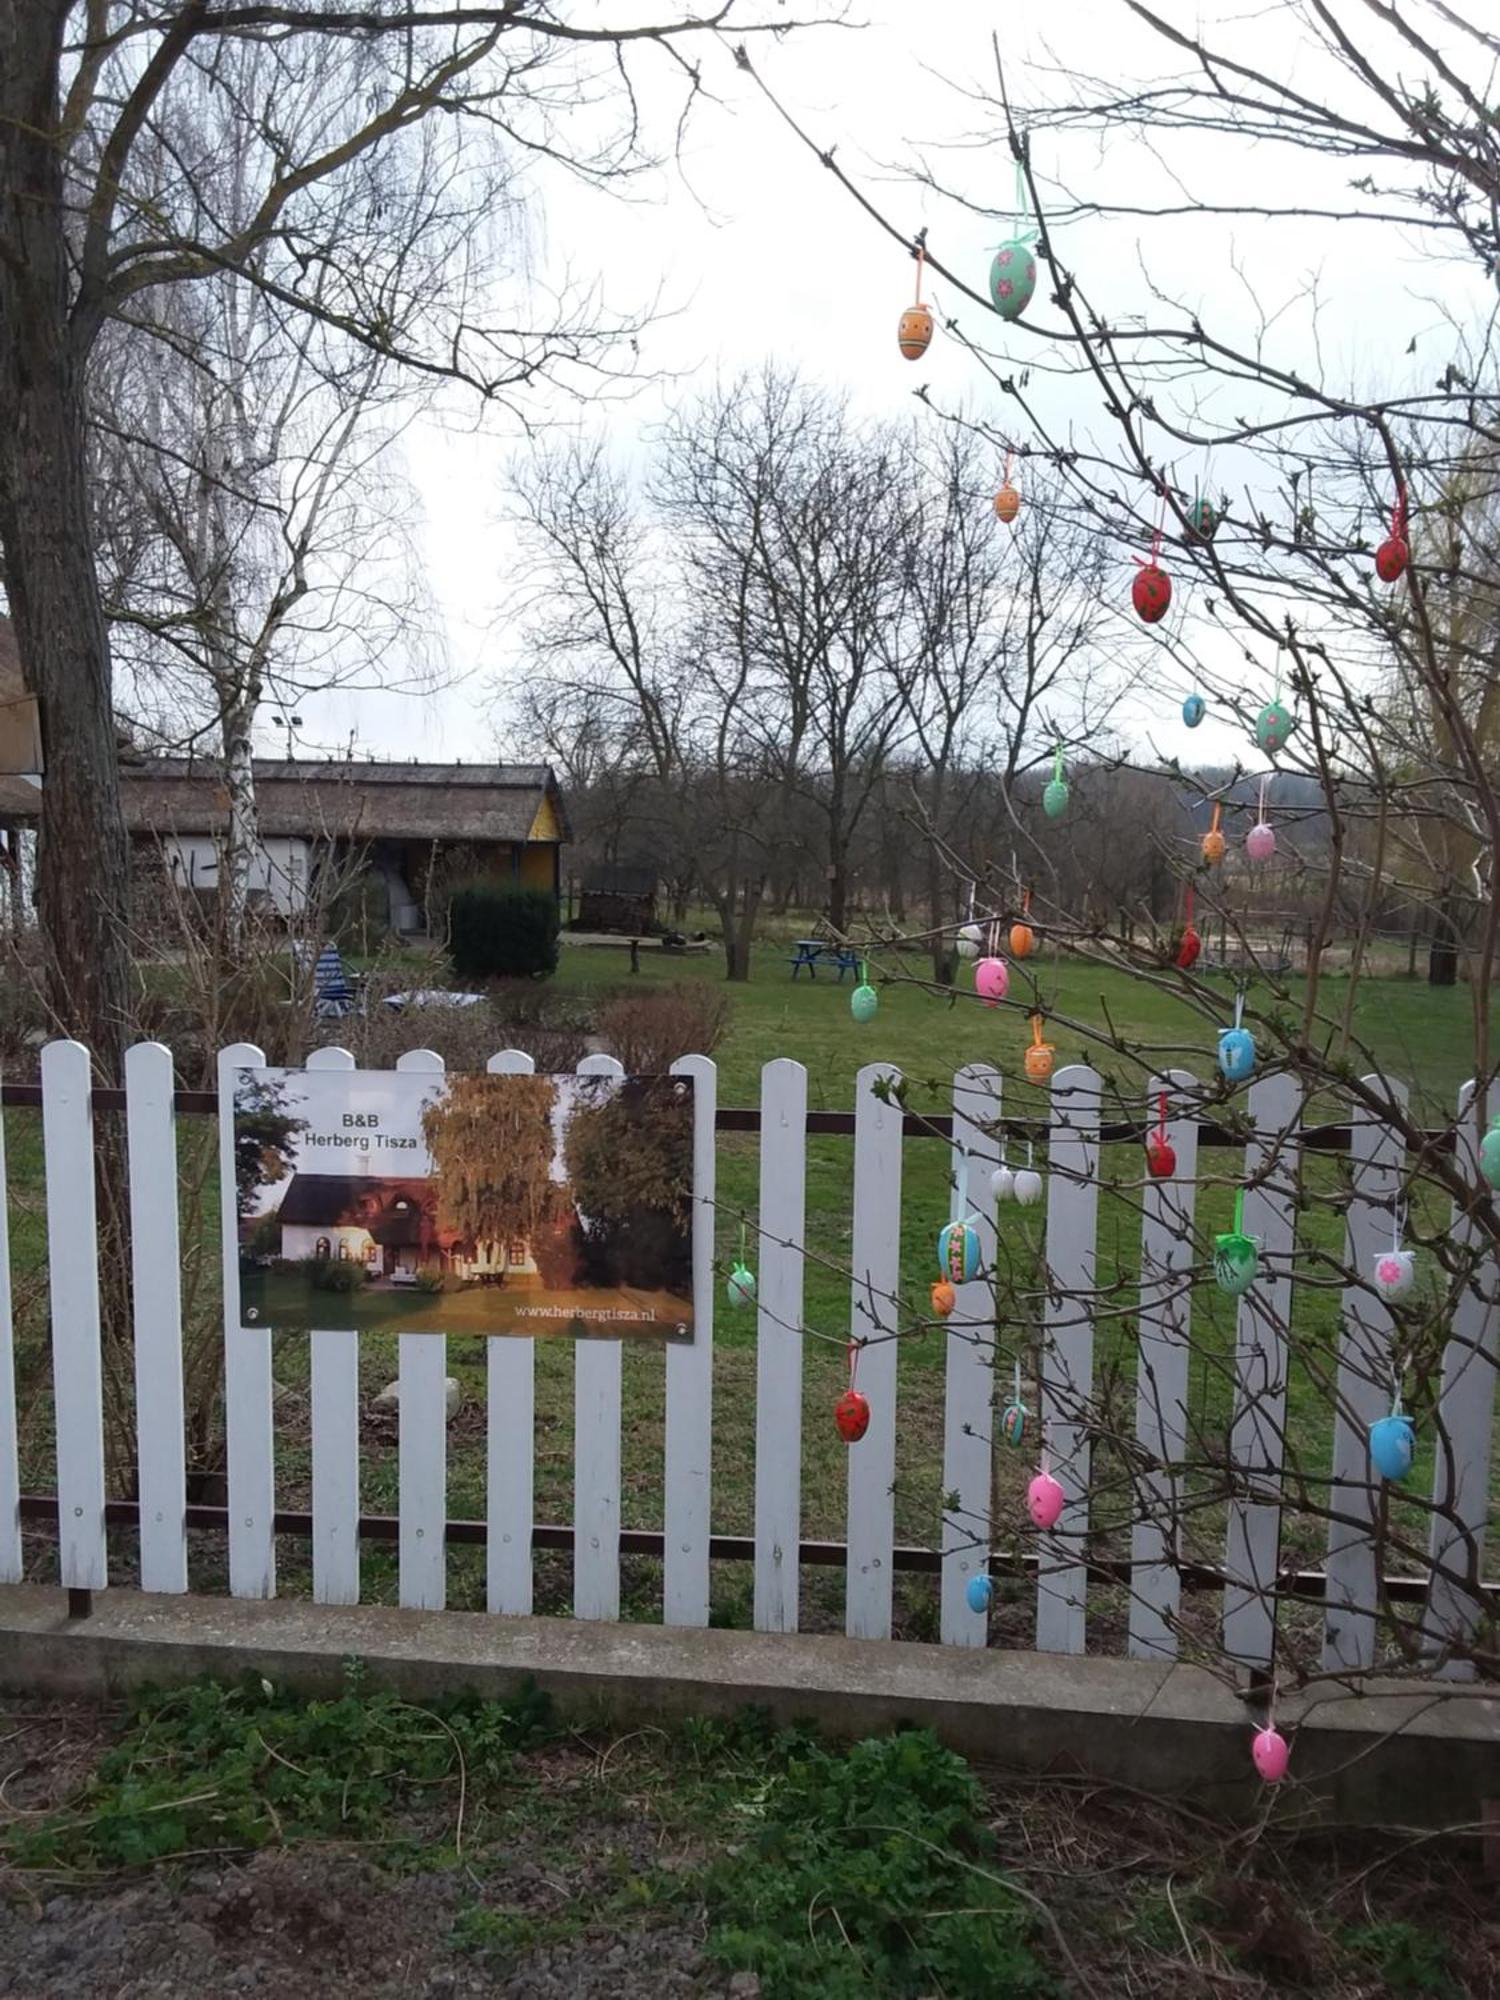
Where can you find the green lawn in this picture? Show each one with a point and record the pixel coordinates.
(1413, 1032)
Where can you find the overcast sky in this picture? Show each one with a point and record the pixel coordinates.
(758, 252)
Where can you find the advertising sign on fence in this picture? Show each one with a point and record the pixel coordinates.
(465, 1203)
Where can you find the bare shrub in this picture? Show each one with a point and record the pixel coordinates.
(649, 1028)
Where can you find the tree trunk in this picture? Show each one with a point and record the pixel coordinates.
(1442, 952)
(242, 834)
(46, 535)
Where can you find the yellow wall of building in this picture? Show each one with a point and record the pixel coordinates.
(545, 826)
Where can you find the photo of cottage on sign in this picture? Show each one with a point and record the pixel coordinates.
(454, 1203)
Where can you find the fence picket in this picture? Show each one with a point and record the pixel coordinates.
(11, 1563)
(874, 1315)
(596, 1455)
(248, 1435)
(333, 1394)
(73, 1284)
(1257, 1437)
(778, 1346)
(1161, 1396)
(1465, 1419)
(1376, 1163)
(422, 1432)
(510, 1442)
(969, 1360)
(686, 1514)
(1067, 1373)
(155, 1263)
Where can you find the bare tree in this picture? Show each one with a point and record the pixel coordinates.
(97, 211)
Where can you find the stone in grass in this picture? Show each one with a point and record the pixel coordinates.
(390, 1396)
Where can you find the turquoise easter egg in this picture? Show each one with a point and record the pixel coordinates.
(863, 1002)
(958, 1252)
(1393, 1446)
(979, 1592)
(1193, 710)
(1236, 1054)
(1013, 278)
(1013, 1423)
(740, 1287)
(1273, 726)
(1055, 798)
(1489, 1155)
(1236, 1261)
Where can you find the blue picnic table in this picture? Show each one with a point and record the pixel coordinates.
(811, 952)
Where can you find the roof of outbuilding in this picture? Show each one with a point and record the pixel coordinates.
(338, 800)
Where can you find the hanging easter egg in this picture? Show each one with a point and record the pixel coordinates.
(852, 1415)
(1038, 1063)
(1044, 1501)
(958, 1252)
(1203, 521)
(1186, 945)
(863, 1003)
(1055, 798)
(1193, 710)
(740, 1287)
(971, 934)
(967, 951)
(977, 1593)
(1391, 558)
(1273, 727)
(1236, 1261)
(1393, 1445)
(1489, 1154)
(1271, 1755)
(1213, 847)
(992, 980)
(1260, 842)
(1013, 278)
(1236, 1054)
(1161, 1157)
(1007, 503)
(1028, 1187)
(1003, 1184)
(1022, 940)
(1013, 1423)
(1395, 1273)
(914, 333)
(1151, 593)
(944, 1298)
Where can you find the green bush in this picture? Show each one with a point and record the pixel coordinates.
(870, 1871)
(340, 1274)
(429, 1280)
(499, 931)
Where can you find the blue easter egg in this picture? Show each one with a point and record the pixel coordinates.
(1193, 710)
(1013, 278)
(863, 1002)
(1393, 1446)
(979, 1592)
(958, 1252)
(1236, 1054)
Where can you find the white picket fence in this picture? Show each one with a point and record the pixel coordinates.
(973, 1389)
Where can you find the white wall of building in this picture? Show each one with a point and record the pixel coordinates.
(279, 868)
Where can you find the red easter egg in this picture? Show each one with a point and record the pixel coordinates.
(1151, 592)
(1391, 558)
(1161, 1158)
(852, 1415)
(1188, 947)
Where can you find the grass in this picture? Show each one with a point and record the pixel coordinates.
(1413, 1031)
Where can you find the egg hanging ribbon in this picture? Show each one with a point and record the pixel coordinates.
(1013, 272)
(1022, 936)
(851, 1413)
(1008, 500)
(1055, 795)
(1161, 1155)
(1394, 552)
(914, 330)
(1213, 844)
(1151, 592)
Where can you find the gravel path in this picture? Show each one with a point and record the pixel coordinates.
(321, 1924)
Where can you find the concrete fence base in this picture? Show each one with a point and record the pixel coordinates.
(1396, 1754)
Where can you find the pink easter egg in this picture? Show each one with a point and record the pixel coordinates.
(1271, 1755)
(1260, 841)
(1044, 1500)
(992, 980)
